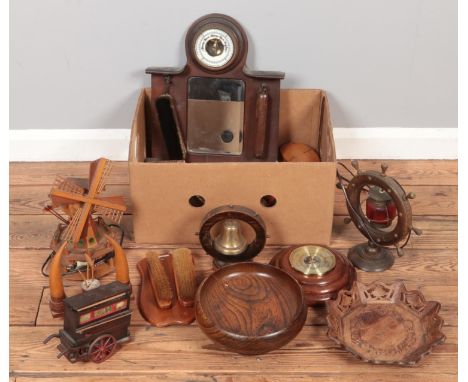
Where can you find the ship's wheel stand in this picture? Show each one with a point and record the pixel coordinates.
(386, 219)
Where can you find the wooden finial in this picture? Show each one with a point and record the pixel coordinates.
(417, 231)
(410, 195)
(384, 167)
(355, 164)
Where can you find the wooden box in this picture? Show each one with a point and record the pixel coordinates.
(304, 192)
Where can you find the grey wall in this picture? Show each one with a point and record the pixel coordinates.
(80, 63)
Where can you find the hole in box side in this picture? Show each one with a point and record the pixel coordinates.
(196, 201)
(268, 201)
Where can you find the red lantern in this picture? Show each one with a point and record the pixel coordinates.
(380, 207)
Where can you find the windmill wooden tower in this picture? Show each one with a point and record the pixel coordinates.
(86, 231)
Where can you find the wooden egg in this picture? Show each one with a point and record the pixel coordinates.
(298, 152)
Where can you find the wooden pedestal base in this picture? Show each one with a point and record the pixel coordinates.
(318, 289)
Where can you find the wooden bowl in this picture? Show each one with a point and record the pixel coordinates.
(385, 323)
(250, 308)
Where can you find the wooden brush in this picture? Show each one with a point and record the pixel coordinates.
(159, 281)
(184, 275)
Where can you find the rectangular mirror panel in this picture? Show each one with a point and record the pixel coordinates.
(215, 115)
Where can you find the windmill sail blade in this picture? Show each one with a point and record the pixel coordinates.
(109, 213)
(99, 170)
(80, 225)
(110, 207)
(67, 185)
(68, 233)
(115, 202)
(105, 174)
(63, 191)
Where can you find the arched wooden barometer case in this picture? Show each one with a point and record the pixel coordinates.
(214, 108)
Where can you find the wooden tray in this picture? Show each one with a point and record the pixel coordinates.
(382, 323)
(250, 308)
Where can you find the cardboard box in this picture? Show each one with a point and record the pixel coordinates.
(305, 192)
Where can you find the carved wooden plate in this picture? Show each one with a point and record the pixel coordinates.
(383, 323)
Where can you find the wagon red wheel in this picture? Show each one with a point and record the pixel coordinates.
(102, 348)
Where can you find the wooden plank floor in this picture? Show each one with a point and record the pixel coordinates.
(184, 353)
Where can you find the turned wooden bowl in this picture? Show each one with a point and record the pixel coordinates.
(385, 323)
(250, 308)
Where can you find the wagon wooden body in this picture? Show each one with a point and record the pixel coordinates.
(95, 322)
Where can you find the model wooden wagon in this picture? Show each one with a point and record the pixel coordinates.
(95, 322)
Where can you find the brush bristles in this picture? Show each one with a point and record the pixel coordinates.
(159, 281)
(184, 274)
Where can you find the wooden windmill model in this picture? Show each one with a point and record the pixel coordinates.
(87, 248)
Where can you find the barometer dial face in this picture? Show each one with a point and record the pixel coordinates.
(312, 260)
(214, 48)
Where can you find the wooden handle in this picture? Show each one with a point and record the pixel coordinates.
(57, 292)
(121, 264)
(261, 121)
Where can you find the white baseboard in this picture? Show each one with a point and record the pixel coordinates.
(396, 143)
(68, 145)
(351, 143)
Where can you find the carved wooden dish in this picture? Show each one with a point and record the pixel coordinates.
(382, 323)
(250, 308)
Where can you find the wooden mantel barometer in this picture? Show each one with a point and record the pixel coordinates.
(214, 108)
(321, 271)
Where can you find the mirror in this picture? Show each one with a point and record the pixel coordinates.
(215, 115)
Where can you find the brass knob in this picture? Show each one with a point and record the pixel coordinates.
(410, 195)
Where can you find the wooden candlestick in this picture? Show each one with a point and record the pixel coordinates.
(321, 271)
